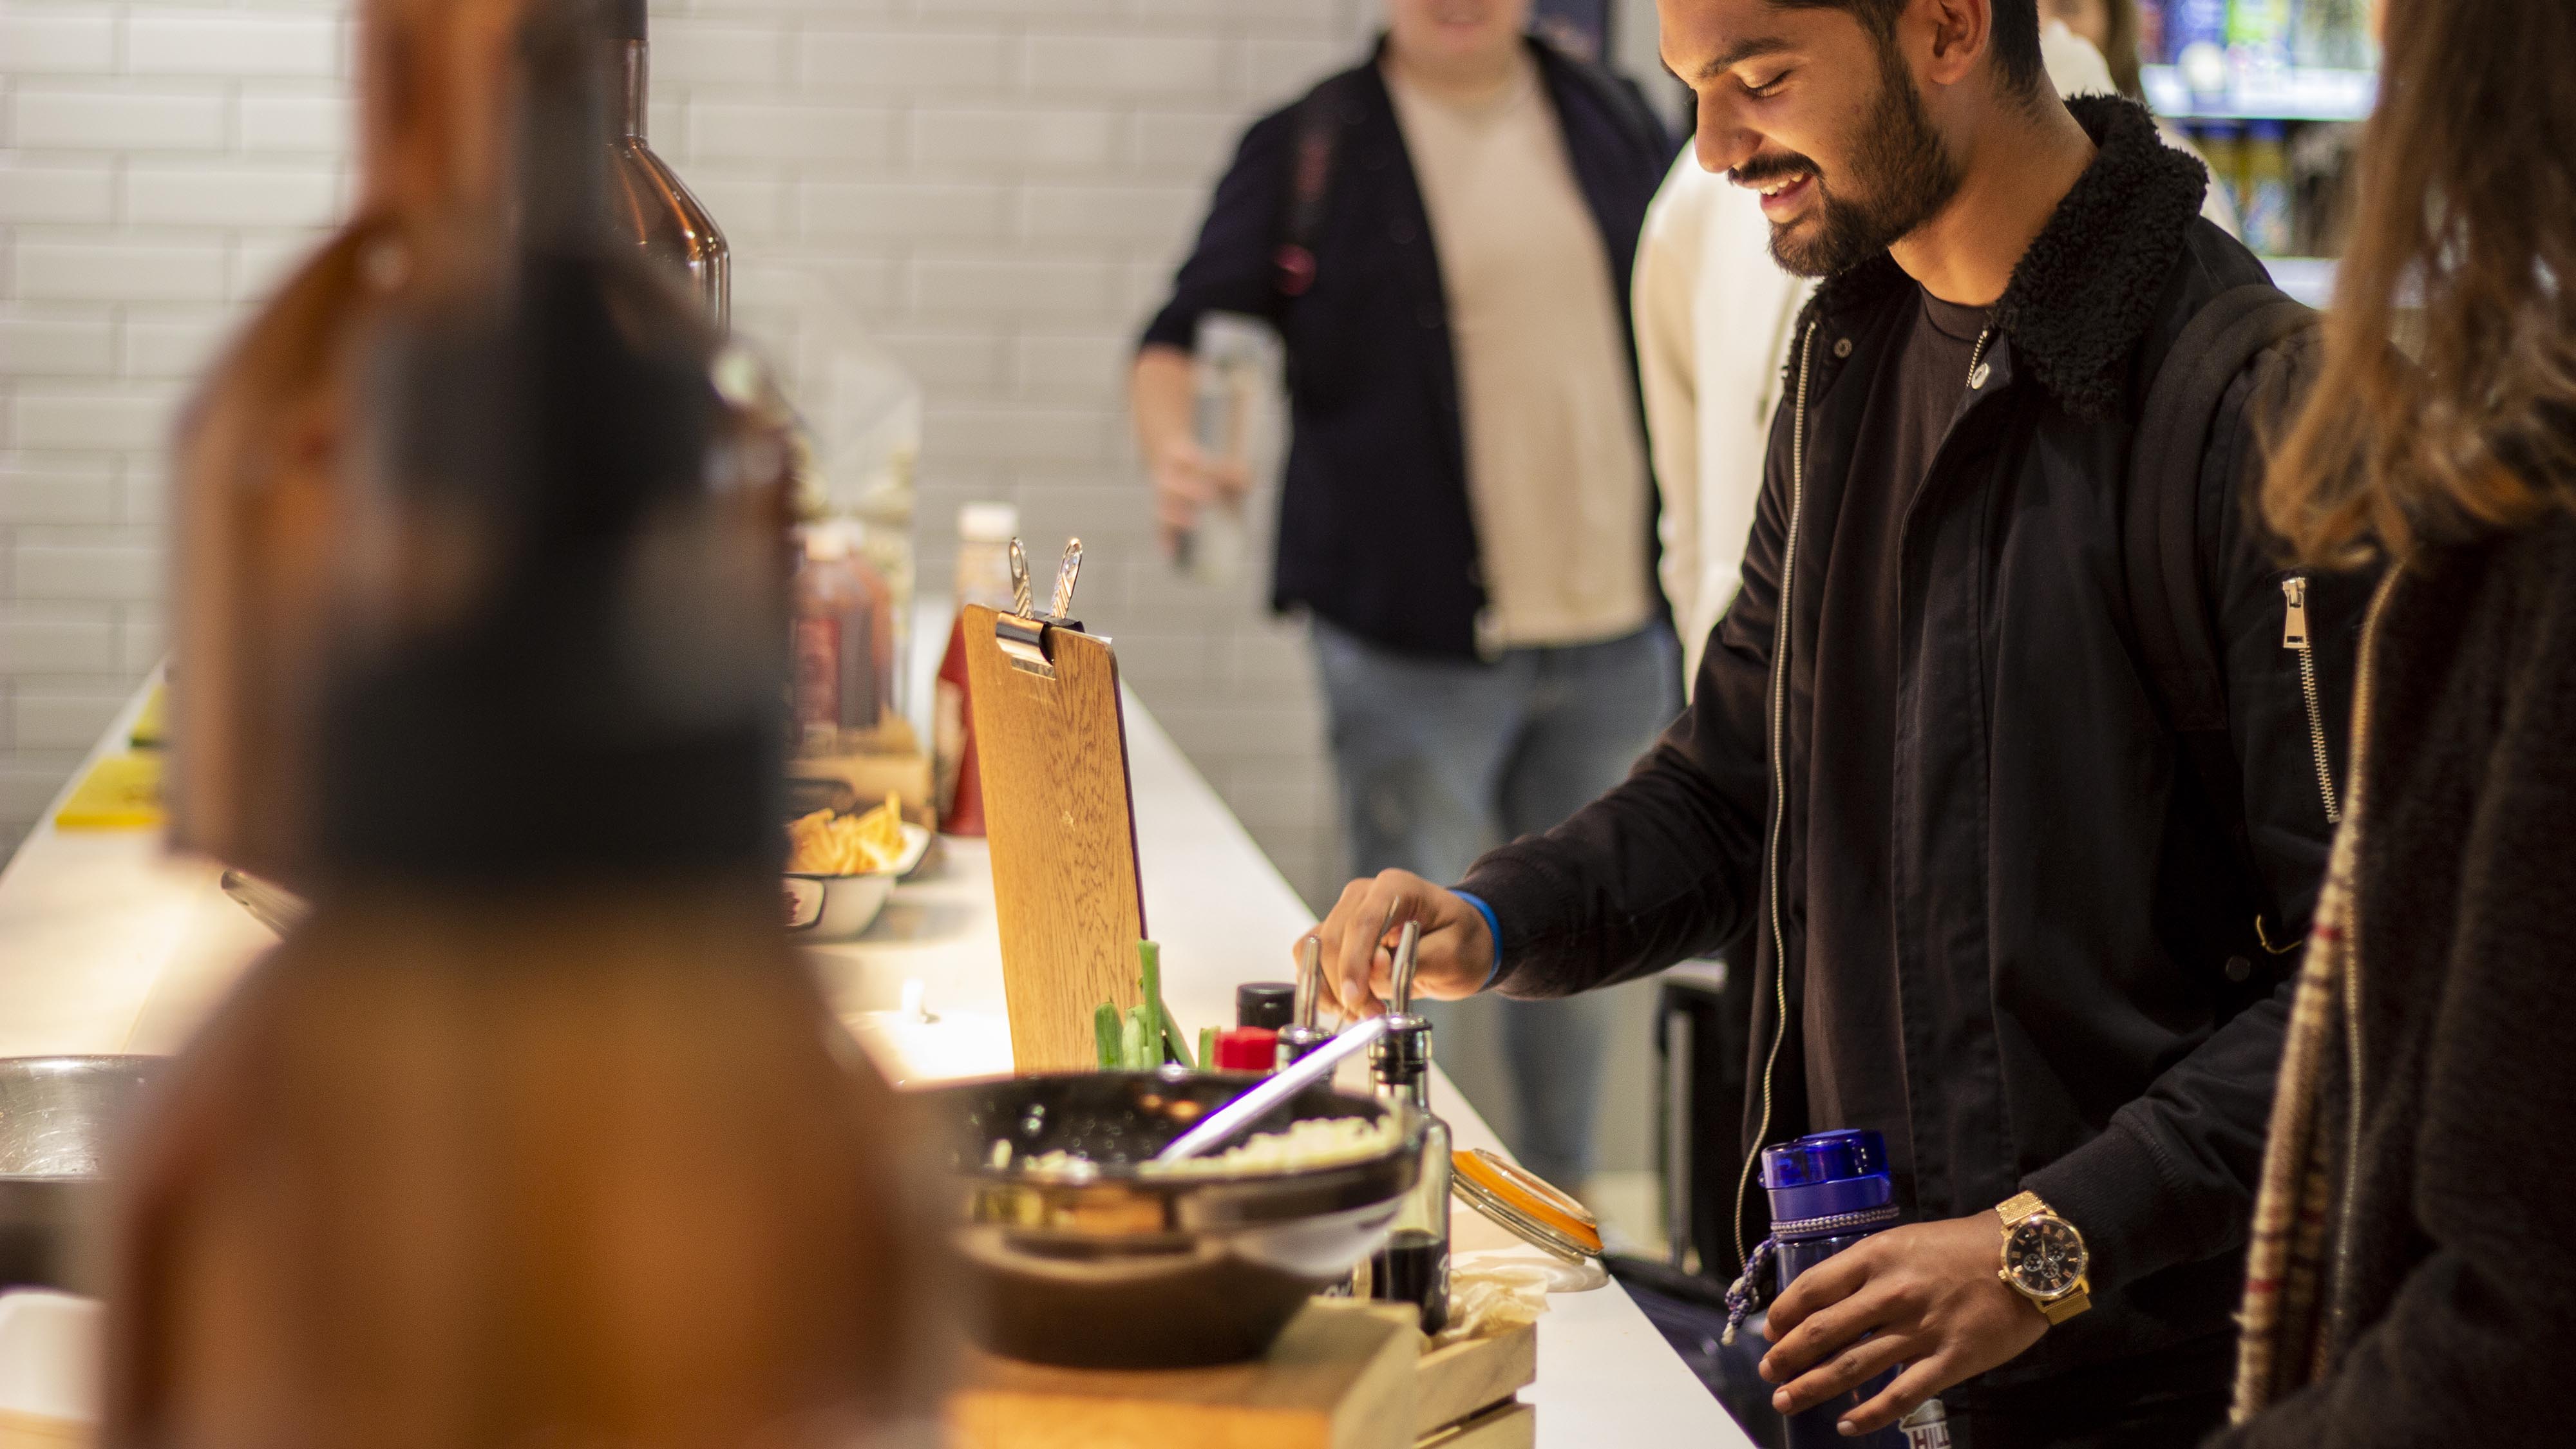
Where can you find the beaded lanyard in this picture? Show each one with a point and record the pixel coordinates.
(1739, 1294)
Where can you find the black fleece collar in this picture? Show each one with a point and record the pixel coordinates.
(2083, 295)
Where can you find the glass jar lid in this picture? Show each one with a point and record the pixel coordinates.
(1526, 1205)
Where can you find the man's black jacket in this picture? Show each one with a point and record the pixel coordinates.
(2076, 1007)
(1374, 528)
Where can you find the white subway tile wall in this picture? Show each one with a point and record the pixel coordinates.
(997, 188)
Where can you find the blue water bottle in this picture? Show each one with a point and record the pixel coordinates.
(1828, 1191)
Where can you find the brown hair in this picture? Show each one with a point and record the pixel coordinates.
(2467, 202)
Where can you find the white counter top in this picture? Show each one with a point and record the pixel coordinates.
(109, 944)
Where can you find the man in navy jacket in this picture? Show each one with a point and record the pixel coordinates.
(1443, 238)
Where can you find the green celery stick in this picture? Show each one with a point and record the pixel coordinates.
(1207, 1046)
(1162, 1031)
(1133, 1040)
(1150, 957)
(1105, 1035)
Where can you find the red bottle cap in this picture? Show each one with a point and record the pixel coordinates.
(1247, 1049)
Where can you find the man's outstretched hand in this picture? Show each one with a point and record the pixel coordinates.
(1455, 956)
(1925, 1295)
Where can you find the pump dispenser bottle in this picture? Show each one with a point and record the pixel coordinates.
(1413, 1267)
(651, 206)
(536, 1130)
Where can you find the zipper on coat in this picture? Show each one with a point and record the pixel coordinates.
(2347, 1191)
(1779, 776)
(2294, 635)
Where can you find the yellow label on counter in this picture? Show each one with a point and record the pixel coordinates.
(121, 792)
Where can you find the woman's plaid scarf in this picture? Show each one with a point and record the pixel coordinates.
(2288, 1338)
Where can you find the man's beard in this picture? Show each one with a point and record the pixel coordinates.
(1901, 176)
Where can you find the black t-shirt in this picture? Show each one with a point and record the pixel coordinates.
(1851, 1013)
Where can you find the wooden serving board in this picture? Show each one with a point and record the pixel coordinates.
(1336, 1379)
(1061, 822)
(1344, 1375)
(39, 1431)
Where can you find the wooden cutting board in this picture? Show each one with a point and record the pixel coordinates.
(1061, 822)
(1336, 1379)
(1343, 1376)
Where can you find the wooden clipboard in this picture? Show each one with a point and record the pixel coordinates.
(1051, 744)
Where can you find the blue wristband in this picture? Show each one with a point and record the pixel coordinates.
(1493, 928)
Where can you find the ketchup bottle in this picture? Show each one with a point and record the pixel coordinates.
(984, 533)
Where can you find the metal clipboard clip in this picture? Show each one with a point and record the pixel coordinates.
(1022, 632)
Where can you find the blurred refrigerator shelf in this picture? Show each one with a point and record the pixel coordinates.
(2294, 94)
(2310, 279)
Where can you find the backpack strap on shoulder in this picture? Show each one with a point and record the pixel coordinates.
(1618, 96)
(2169, 614)
(1317, 125)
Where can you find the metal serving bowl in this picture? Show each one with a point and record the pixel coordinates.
(1112, 1268)
(58, 1117)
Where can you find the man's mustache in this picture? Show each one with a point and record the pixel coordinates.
(1773, 168)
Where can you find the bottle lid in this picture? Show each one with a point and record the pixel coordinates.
(1525, 1204)
(1827, 1175)
(988, 522)
(1403, 1052)
(1247, 1049)
(1823, 1157)
(1265, 1003)
(1295, 1042)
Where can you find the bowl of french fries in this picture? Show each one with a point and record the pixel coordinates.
(841, 866)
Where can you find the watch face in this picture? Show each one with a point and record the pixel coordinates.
(2044, 1256)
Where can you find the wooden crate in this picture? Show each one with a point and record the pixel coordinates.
(1465, 1380)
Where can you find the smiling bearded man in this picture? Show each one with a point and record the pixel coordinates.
(1901, 178)
(2004, 909)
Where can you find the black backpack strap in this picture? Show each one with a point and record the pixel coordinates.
(1620, 97)
(1317, 125)
(2160, 538)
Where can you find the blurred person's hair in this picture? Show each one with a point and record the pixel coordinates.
(2015, 37)
(2467, 211)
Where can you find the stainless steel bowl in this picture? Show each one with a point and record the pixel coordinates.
(58, 1117)
(1112, 1268)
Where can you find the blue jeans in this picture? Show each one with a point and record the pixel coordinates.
(1441, 760)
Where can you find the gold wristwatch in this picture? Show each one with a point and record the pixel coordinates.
(2044, 1258)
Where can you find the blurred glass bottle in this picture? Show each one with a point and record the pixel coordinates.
(841, 655)
(1232, 377)
(2265, 192)
(858, 426)
(261, 450)
(2258, 36)
(2196, 37)
(646, 196)
(2223, 143)
(535, 1129)
(984, 533)
(2334, 35)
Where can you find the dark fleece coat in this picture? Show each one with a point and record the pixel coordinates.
(2082, 1006)
(2458, 1280)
